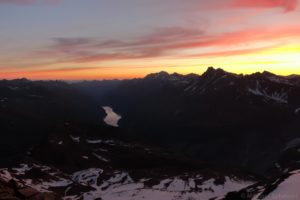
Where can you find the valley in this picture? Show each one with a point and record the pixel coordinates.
(215, 136)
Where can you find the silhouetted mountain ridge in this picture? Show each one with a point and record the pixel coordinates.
(180, 135)
(209, 114)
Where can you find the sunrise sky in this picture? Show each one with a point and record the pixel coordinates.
(105, 39)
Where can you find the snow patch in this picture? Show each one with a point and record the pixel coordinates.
(101, 158)
(5, 175)
(93, 141)
(22, 169)
(87, 177)
(280, 97)
(75, 139)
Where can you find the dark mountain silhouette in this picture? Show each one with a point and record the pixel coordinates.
(217, 135)
(220, 117)
(29, 110)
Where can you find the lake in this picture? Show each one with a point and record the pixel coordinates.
(111, 117)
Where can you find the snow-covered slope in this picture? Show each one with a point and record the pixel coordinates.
(288, 189)
(94, 183)
(282, 181)
(79, 163)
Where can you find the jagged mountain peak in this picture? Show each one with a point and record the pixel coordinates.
(212, 71)
(267, 73)
(165, 76)
(161, 74)
(219, 72)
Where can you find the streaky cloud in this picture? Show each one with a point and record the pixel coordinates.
(287, 5)
(164, 42)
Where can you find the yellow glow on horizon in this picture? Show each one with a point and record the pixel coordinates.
(282, 60)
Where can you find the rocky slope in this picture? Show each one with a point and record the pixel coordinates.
(84, 162)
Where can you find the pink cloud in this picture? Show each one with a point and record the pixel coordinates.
(163, 42)
(234, 52)
(287, 5)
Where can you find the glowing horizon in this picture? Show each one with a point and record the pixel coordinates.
(88, 75)
(109, 39)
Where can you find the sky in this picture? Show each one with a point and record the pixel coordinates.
(108, 39)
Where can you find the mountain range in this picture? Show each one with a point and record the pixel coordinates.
(217, 135)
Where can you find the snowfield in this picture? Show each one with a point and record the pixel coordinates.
(120, 185)
(287, 190)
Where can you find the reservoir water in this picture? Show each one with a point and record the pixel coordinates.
(111, 117)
